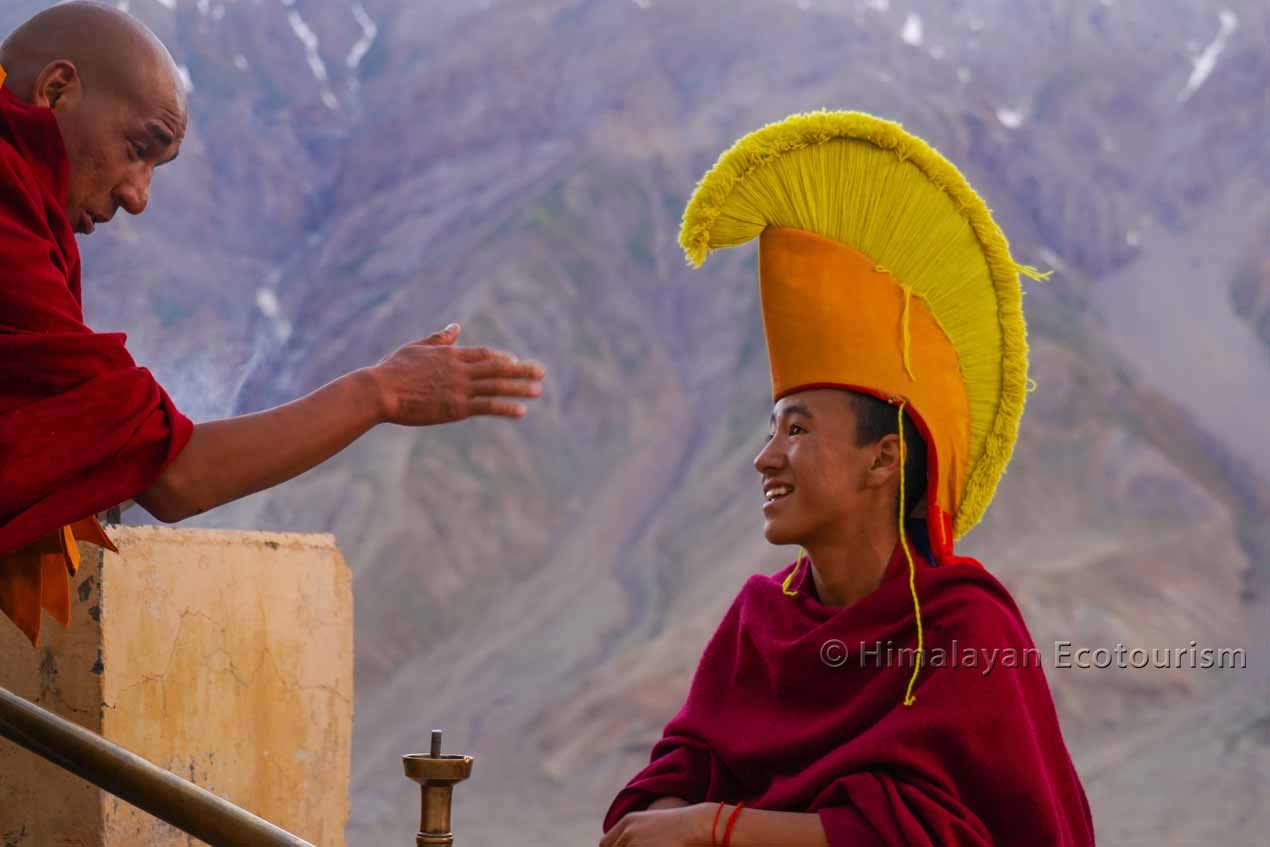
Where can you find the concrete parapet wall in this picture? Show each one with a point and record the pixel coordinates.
(225, 657)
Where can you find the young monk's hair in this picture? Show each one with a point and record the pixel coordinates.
(876, 419)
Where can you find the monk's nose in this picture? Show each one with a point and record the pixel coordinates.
(134, 196)
(769, 458)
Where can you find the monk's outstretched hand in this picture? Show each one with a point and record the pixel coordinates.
(685, 826)
(433, 381)
(430, 381)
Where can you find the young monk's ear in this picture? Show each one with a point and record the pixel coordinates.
(58, 86)
(886, 460)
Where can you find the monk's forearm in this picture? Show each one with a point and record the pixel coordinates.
(761, 828)
(228, 459)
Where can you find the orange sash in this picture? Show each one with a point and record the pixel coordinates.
(38, 576)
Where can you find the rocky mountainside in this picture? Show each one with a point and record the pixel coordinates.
(360, 173)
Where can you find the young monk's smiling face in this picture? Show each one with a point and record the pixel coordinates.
(818, 480)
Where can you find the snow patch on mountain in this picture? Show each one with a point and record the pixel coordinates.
(1203, 64)
(369, 32)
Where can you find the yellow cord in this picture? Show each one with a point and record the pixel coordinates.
(906, 342)
(789, 580)
(909, 699)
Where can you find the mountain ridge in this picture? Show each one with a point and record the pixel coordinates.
(543, 589)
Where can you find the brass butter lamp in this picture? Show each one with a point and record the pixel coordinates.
(437, 775)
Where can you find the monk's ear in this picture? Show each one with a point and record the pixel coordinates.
(58, 86)
(886, 460)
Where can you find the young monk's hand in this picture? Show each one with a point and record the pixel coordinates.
(686, 826)
(431, 381)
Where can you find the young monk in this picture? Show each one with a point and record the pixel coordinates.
(838, 703)
(91, 104)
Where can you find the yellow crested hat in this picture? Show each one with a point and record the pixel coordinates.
(880, 270)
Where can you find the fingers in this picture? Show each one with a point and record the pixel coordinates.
(508, 368)
(488, 362)
(482, 354)
(611, 837)
(505, 388)
(485, 354)
(489, 407)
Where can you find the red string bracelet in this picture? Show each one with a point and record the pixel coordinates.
(714, 840)
(727, 832)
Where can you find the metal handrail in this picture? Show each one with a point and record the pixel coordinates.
(191, 809)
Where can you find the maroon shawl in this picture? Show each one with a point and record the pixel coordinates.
(82, 428)
(978, 759)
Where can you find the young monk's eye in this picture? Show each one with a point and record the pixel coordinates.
(795, 429)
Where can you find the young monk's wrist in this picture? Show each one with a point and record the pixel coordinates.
(667, 803)
(703, 823)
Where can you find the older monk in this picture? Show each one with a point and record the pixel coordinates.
(90, 104)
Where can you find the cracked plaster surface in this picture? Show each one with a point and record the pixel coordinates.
(225, 657)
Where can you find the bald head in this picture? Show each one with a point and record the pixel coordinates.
(109, 48)
(117, 95)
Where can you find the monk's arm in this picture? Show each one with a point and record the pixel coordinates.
(427, 382)
(228, 459)
(701, 824)
(761, 828)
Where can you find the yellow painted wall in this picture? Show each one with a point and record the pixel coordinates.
(225, 657)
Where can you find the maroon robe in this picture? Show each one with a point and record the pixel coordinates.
(779, 721)
(82, 427)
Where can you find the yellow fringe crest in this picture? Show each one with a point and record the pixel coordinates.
(1033, 273)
